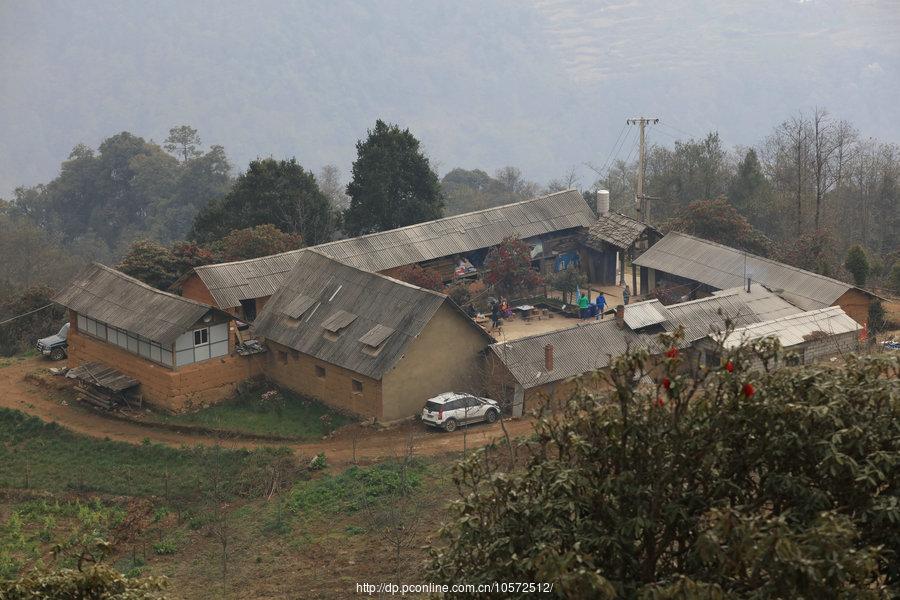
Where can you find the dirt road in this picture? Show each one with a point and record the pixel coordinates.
(371, 444)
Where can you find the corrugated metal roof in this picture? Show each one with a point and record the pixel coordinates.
(112, 297)
(591, 345)
(229, 283)
(723, 267)
(702, 317)
(617, 229)
(791, 330)
(644, 314)
(587, 347)
(340, 290)
(462, 233)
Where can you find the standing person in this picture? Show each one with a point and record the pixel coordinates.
(584, 303)
(495, 315)
(626, 294)
(601, 305)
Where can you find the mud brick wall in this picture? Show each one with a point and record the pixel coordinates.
(297, 372)
(187, 388)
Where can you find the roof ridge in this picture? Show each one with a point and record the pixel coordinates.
(312, 250)
(146, 286)
(375, 233)
(762, 258)
(555, 332)
(798, 315)
(250, 260)
(473, 212)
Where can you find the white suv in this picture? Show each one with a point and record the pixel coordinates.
(450, 410)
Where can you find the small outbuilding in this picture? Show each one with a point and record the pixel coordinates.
(810, 336)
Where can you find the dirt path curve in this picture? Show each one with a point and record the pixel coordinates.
(371, 444)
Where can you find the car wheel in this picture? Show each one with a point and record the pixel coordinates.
(450, 425)
(491, 416)
(57, 354)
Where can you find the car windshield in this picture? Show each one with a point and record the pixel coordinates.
(63, 331)
(433, 406)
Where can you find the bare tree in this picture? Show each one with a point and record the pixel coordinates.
(787, 161)
(398, 519)
(330, 183)
(566, 182)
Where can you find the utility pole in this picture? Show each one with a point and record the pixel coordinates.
(642, 200)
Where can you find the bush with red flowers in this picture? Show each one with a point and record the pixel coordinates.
(710, 490)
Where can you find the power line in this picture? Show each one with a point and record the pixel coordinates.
(662, 131)
(613, 149)
(31, 312)
(630, 152)
(682, 131)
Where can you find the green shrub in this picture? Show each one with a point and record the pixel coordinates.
(165, 547)
(354, 488)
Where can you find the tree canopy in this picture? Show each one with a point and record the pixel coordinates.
(392, 183)
(253, 242)
(416, 275)
(508, 266)
(718, 221)
(858, 265)
(276, 192)
(718, 482)
(127, 188)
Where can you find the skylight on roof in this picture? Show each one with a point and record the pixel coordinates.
(376, 336)
(299, 305)
(338, 321)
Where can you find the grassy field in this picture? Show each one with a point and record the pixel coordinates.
(44, 456)
(284, 414)
(171, 511)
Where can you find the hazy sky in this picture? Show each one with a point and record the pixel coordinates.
(544, 85)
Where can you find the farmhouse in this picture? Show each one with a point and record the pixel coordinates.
(547, 367)
(532, 369)
(553, 225)
(333, 324)
(181, 352)
(809, 336)
(367, 343)
(684, 265)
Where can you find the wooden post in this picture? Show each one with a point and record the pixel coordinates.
(634, 288)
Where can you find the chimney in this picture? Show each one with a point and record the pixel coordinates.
(548, 357)
(603, 203)
(620, 315)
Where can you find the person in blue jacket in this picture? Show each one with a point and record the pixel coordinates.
(601, 305)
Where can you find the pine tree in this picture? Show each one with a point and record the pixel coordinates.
(393, 184)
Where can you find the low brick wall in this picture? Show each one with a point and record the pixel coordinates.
(178, 390)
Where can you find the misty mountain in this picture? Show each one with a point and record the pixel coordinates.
(544, 85)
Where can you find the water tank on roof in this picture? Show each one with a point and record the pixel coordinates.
(602, 202)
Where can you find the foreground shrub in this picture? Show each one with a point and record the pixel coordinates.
(723, 482)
